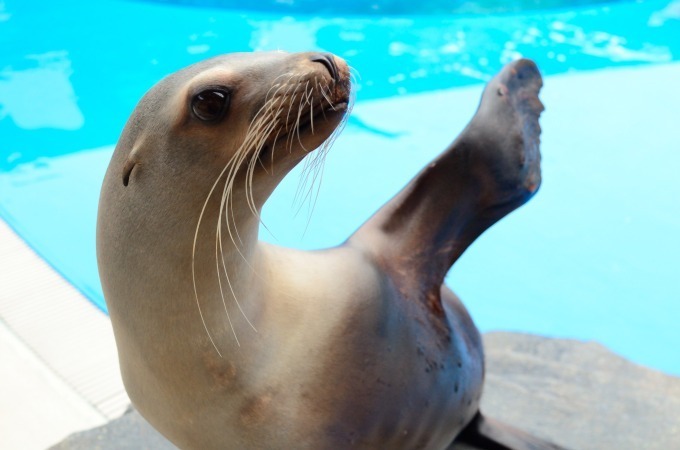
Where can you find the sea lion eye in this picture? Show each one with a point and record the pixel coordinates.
(210, 105)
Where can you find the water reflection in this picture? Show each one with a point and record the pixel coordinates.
(41, 97)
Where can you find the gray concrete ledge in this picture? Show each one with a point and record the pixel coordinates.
(576, 394)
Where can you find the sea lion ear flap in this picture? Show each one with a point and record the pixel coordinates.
(130, 164)
(127, 170)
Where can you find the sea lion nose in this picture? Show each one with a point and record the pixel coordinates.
(328, 60)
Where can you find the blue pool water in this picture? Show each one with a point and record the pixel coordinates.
(593, 256)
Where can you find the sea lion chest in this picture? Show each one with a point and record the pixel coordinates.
(344, 360)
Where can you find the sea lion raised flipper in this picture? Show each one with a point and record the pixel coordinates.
(492, 168)
(488, 434)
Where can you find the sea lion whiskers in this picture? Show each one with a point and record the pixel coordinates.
(231, 287)
(266, 121)
(313, 169)
(255, 131)
(262, 116)
(270, 126)
(322, 91)
(304, 102)
(239, 158)
(290, 108)
(219, 281)
(235, 161)
(254, 139)
(326, 97)
(354, 74)
(275, 124)
(193, 256)
(296, 127)
(269, 102)
(309, 99)
(227, 196)
(311, 117)
(261, 130)
(305, 99)
(219, 251)
(275, 140)
(320, 157)
(270, 118)
(316, 164)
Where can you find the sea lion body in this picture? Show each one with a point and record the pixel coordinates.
(228, 342)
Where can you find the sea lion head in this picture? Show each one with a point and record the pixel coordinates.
(201, 153)
(238, 115)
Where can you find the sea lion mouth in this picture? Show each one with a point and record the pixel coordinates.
(309, 122)
(303, 111)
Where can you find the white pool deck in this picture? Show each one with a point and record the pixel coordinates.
(58, 362)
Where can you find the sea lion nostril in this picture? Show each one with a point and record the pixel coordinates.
(328, 61)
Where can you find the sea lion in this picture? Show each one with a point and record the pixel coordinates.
(228, 342)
